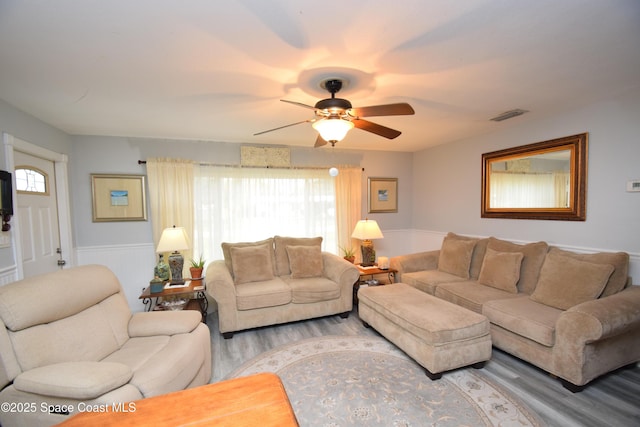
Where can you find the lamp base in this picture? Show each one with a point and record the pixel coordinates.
(368, 253)
(176, 263)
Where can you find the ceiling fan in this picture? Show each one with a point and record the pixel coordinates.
(334, 117)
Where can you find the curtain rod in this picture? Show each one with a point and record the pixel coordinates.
(144, 162)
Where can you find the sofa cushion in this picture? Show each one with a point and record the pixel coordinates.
(478, 252)
(74, 380)
(226, 252)
(566, 281)
(533, 257)
(455, 256)
(470, 294)
(524, 317)
(269, 293)
(251, 264)
(501, 270)
(428, 280)
(619, 260)
(281, 256)
(305, 261)
(313, 289)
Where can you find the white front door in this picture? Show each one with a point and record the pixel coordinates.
(37, 212)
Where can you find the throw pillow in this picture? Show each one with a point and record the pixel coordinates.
(619, 261)
(501, 270)
(226, 252)
(478, 252)
(565, 281)
(251, 264)
(281, 256)
(534, 256)
(305, 261)
(455, 257)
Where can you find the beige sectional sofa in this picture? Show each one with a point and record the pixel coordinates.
(278, 280)
(69, 342)
(574, 315)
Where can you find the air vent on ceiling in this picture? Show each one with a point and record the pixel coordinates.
(509, 114)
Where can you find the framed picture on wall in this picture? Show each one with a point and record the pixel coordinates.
(383, 195)
(118, 198)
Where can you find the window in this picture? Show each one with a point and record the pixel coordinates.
(247, 204)
(30, 180)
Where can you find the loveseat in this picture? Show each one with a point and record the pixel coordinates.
(69, 343)
(575, 315)
(278, 280)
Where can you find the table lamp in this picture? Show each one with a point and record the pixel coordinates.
(172, 240)
(367, 230)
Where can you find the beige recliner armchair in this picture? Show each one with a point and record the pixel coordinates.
(69, 342)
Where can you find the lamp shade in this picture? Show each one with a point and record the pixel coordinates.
(367, 229)
(172, 239)
(332, 129)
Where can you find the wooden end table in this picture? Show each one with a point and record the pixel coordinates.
(371, 271)
(194, 291)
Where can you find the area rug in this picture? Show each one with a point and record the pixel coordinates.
(339, 381)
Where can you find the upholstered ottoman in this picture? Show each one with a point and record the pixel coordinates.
(437, 334)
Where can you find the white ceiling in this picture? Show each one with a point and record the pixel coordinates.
(216, 70)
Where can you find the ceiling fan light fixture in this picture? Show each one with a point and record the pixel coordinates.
(333, 129)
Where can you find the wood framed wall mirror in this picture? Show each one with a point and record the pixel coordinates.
(544, 180)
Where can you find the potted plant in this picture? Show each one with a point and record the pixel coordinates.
(196, 267)
(349, 254)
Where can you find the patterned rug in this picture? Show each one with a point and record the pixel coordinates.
(367, 381)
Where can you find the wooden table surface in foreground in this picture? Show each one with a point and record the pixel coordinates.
(256, 400)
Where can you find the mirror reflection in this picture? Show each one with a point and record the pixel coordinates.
(533, 181)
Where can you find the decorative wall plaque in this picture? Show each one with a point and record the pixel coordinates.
(265, 156)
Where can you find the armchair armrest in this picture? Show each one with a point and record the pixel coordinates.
(601, 318)
(419, 261)
(154, 323)
(220, 284)
(339, 270)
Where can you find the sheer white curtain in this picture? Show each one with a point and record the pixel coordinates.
(562, 189)
(523, 190)
(348, 204)
(248, 204)
(171, 196)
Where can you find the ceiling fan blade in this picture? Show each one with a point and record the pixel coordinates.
(299, 104)
(319, 142)
(399, 109)
(282, 127)
(376, 128)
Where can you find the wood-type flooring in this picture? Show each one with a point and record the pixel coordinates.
(611, 400)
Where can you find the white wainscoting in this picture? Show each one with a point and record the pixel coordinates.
(132, 264)
(402, 242)
(8, 275)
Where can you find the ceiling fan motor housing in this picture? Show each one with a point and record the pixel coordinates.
(333, 104)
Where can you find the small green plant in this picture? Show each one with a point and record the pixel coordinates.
(348, 252)
(199, 263)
